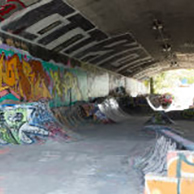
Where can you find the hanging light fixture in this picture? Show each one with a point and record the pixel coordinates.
(157, 25)
(166, 47)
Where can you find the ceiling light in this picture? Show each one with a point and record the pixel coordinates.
(157, 25)
(166, 47)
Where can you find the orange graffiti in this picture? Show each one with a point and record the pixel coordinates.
(27, 79)
(160, 185)
(186, 168)
(167, 185)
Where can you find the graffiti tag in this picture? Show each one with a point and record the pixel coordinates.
(10, 7)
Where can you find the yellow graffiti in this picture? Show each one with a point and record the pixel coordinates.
(22, 78)
(1, 70)
(69, 81)
(57, 83)
(27, 80)
(65, 82)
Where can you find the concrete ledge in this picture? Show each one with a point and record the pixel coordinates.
(189, 145)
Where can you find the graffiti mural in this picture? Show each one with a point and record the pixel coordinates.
(180, 164)
(10, 7)
(27, 79)
(58, 27)
(66, 87)
(24, 78)
(27, 124)
(180, 175)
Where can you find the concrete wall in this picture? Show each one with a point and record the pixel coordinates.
(28, 79)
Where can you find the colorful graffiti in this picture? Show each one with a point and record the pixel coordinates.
(65, 86)
(27, 79)
(27, 124)
(164, 185)
(180, 175)
(180, 164)
(23, 78)
(10, 7)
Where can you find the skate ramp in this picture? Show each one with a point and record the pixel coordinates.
(36, 122)
(110, 108)
(108, 111)
(80, 114)
(30, 123)
(154, 160)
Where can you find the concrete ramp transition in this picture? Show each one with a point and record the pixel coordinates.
(29, 123)
(36, 122)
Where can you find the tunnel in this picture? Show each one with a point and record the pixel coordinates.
(79, 112)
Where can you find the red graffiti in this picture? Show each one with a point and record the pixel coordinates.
(9, 8)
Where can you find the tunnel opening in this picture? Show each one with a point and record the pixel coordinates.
(179, 84)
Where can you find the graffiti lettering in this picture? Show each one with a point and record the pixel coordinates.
(112, 50)
(10, 7)
(26, 124)
(64, 83)
(25, 78)
(57, 89)
(60, 28)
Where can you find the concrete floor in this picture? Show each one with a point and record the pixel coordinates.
(99, 163)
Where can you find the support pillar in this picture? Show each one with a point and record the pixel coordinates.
(151, 85)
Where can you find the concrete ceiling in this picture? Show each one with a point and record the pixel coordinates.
(138, 17)
(134, 38)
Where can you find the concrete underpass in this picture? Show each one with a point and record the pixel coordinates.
(75, 113)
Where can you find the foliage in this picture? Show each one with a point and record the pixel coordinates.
(167, 80)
